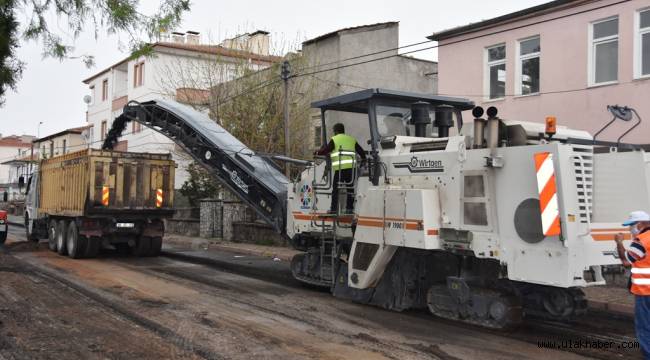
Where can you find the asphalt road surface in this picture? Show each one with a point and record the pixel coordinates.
(118, 307)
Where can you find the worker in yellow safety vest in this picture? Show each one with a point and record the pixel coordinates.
(343, 150)
(636, 258)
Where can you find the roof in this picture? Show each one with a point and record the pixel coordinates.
(358, 101)
(77, 130)
(22, 160)
(362, 27)
(204, 49)
(13, 141)
(538, 10)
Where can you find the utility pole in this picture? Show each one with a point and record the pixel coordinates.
(285, 75)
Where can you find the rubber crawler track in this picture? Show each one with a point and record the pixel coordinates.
(532, 331)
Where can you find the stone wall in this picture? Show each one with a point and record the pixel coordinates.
(257, 233)
(184, 222)
(217, 217)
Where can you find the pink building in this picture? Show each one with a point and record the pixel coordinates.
(566, 58)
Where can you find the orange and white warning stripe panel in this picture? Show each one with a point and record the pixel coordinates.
(547, 189)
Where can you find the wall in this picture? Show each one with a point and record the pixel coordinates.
(564, 66)
(395, 73)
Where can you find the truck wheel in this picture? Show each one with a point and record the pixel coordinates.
(29, 235)
(93, 243)
(51, 235)
(156, 246)
(75, 243)
(142, 246)
(60, 237)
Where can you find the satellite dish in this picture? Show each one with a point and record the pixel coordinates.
(88, 99)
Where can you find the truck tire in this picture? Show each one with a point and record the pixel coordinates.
(156, 246)
(51, 235)
(60, 237)
(142, 246)
(75, 243)
(29, 235)
(93, 244)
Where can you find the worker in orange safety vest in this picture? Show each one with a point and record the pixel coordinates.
(635, 257)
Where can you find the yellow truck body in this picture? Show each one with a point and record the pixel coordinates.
(93, 199)
(75, 184)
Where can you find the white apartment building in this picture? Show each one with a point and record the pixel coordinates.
(12, 148)
(178, 61)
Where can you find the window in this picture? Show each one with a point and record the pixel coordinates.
(528, 67)
(44, 154)
(642, 46)
(105, 90)
(603, 51)
(138, 74)
(496, 72)
(64, 146)
(51, 148)
(103, 133)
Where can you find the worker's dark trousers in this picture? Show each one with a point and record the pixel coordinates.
(642, 323)
(345, 178)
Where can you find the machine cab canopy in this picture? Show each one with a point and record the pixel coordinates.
(372, 114)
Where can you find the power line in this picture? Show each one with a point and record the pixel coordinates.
(366, 55)
(458, 41)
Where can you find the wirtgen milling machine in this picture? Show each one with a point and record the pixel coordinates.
(482, 223)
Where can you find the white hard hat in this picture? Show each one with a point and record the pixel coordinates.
(635, 217)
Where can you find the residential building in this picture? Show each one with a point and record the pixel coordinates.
(11, 148)
(386, 68)
(338, 63)
(565, 58)
(20, 168)
(63, 142)
(178, 58)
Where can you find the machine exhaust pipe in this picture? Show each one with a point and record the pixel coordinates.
(479, 128)
(493, 128)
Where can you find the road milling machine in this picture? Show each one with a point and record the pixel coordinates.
(484, 223)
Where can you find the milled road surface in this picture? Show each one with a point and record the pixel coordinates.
(152, 308)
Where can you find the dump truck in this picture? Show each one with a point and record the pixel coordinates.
(92, 199)
(482, 223)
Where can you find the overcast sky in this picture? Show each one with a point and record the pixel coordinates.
(52, 92)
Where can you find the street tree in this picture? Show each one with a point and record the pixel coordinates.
(247, 100)
(110, 16)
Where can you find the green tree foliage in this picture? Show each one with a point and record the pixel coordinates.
(199, 185)
(112, 16)
(10, 67)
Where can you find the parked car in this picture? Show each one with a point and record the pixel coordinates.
(4, 226)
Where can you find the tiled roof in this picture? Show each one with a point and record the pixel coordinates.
(13, 141)
(77, 130)
(205, 49)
